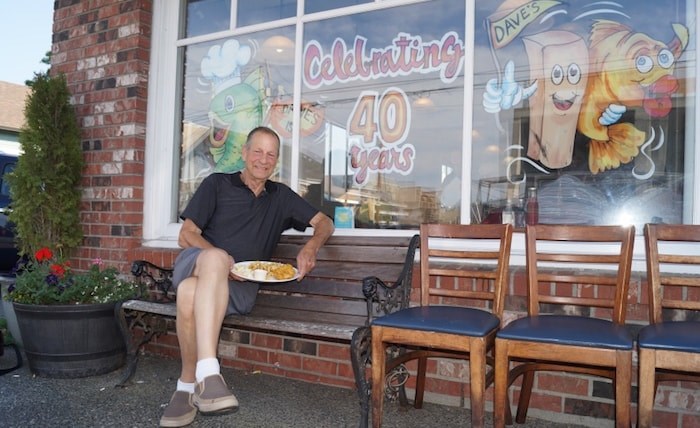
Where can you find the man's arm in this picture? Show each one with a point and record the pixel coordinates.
(323, 229)
(191, 236)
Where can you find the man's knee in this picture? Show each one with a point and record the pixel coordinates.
(213, 258)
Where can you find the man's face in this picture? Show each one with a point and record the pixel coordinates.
(261, 157)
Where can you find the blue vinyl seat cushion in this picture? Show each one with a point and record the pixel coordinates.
(672, 336)
(442, 319)
(569, 330)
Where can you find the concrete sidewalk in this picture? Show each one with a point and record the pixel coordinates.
(266, 401)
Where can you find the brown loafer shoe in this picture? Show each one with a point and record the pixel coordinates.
(212, 396)
(180, 411)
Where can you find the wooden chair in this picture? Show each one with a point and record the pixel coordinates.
(577, 278)
(669, 349)
(454, 274)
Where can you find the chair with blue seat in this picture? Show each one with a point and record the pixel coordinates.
(464, 276)
(669, 347)
(577, 284)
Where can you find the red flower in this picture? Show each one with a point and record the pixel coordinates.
(43, 254)
(57, 270)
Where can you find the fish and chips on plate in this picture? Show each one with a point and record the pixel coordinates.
(263, 271)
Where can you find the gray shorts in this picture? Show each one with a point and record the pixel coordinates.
(241, 295)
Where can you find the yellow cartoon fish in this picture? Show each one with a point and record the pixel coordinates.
(628, 70)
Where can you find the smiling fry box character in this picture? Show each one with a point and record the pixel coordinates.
(559, 64)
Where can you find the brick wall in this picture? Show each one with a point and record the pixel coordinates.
(102, 46)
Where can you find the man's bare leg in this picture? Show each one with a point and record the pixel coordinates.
(202, 300)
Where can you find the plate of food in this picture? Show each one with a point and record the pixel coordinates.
(260, 271)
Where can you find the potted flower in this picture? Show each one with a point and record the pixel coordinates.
(46, 280)
(65, 315)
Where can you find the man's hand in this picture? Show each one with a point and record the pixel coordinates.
(323, 229)
(306, 261)
(232, 275)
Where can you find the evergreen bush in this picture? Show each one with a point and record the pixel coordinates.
(44, 186)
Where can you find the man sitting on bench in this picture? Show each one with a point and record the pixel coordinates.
(231, 217)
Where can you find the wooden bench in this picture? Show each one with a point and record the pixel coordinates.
(355, 279)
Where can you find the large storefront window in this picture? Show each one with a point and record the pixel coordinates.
(380, 122)
(591, 104)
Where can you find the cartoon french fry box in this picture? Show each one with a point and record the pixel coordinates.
(559, 64)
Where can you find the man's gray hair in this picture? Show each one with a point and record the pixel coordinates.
(263, 130)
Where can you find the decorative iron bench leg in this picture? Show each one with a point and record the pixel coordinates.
(133, 346)
(360, 357)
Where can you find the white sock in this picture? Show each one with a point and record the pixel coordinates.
(206, 367)
(184, 386)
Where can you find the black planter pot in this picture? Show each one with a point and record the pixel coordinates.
(70, 341)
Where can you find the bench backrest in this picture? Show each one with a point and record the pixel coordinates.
(332, 292)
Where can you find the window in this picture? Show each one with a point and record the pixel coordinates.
(231, 86)
(386, 101)
(312, 6)
(258, 11)
(590, 104)
(207, 16)
(394, 113)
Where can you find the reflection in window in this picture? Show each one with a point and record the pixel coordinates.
(312, 6)
(232, 86)
(384, 137)
(588, 104)
(207, 16)
(5, 186)
(255, 12)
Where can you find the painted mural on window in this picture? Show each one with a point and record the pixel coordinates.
(588, 100)
(392, 95)
(231, 86)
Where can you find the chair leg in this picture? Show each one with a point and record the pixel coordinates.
(477, 379)
(647, 387)
(420, 382)
(500, 387)
(378, 366)
(525, 394)
(623, 388)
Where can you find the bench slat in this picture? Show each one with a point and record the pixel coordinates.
(333, 306)
(335, 331)
(320, 287)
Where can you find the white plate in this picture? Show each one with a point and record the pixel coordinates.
(242, 269)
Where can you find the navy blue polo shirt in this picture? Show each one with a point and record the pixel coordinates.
(247, 227)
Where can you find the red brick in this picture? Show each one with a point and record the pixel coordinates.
(562, 383)
(253, 354)
(345, 370)
(662, 418)
(266, 341)
(552, 403)
(285, 360)
(446, 387)
(690, 420)
(334, 351)
(319, 366)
